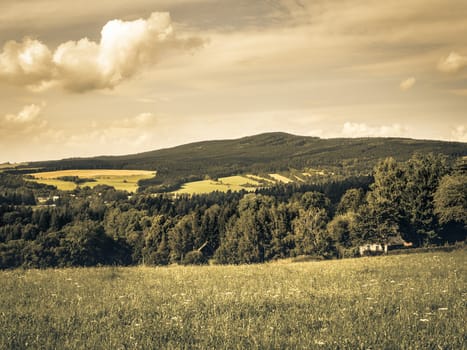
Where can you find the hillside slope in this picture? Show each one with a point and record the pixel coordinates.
(263, 153)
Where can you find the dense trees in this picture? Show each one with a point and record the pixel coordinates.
(450, 206)
(421, 200)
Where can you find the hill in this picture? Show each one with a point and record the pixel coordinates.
(269, 152)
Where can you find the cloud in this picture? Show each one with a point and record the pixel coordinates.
(459, 92)
(27, 114)
(125, 49)
(122, 136)
(26, 122)
(407, 83)
(28, 62)
(452, 63)
(350, 129)
(459, 133)
(141, 120)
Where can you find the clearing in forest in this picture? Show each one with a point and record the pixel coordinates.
(125, 180)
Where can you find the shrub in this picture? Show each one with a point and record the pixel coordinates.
(194, 258)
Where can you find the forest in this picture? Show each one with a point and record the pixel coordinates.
(422, 201)
(259, 154)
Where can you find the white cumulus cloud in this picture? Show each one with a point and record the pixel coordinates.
(125, 49)
(350, 129)
(452, 63)
(407, 83)
(28, 62)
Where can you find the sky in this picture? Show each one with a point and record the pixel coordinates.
(114, 77)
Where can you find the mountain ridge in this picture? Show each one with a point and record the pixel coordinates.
(260, 136)
(262, 153)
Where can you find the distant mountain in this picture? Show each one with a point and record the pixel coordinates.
(261, 154)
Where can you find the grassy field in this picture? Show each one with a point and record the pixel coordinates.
(223, 184)
(280, 178)
(126, 180)
(233, 183)
(394, 302)
(10, 165)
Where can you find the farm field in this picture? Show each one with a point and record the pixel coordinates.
(233, 183)
(280, 178)
(126, 180)
(223, 184)
(407, 301)
(4, 166)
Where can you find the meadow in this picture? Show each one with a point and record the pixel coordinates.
(125, 180)
(393, 302)
(231, 183)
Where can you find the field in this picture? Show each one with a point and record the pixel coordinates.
(280, 178)
(10, 166)
(394, 302)
(233, 183)
(126, 180)
(223, 184)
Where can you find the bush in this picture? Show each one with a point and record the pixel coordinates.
(194, 258)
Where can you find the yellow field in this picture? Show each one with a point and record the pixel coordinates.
(91, 173)
(239, 181)
(247, 182)
(280, 178)
(61, 185)
(298, 178)
(9, 166)
(125, 180)
(259, 178)
(223, 184)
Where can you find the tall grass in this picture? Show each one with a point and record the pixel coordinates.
(407, 301)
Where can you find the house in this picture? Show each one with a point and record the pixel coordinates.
(392, 243)
(372, 249)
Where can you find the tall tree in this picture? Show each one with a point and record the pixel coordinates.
(310, 233)
(351, 200)
(422, 173)
(247, 238)
(451, 206)
(385, 199)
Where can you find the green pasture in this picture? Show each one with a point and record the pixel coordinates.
(125, 180)
(233, 183)
(412, 301)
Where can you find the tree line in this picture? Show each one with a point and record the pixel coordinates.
(422, 201)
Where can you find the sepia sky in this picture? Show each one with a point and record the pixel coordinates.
(83, 78)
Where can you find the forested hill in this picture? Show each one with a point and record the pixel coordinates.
(264, 153)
